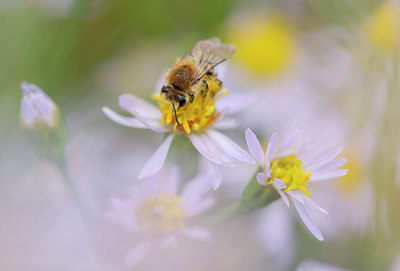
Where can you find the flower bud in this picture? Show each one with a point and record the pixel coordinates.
(43, 122)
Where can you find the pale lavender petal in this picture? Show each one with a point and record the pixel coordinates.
(230, 147)
(325, 158)
(307, 220)
(197, 233)
(198, 207)
(154, 125)
(255, 147)
(297, 196)
(272, 146)
(136, 255)
(156, 161)
(261, 178)
(225, 124)
(122, 120)
(279, 184)
(329, 166)
(291, 138)
(284, 198)
(134, 105)
(169, 185)
(315, 205)
(210, 150)
(193, 194)
(213, 171)
(267, 169)
(322, 176)
(234, 103)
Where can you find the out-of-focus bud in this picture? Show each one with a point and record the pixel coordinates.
(257, 196)
(43, 122)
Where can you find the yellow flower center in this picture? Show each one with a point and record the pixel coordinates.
(289, 170)
(194, 116)
(162, 214)
(266, 45)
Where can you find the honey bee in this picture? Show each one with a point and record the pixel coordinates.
(188, 77)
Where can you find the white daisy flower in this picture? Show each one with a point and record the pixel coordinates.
(37, 107)
(199, 121)
(159, 214)
(290, 165)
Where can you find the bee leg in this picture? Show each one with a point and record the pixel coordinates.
(191, 97)
(206, 89)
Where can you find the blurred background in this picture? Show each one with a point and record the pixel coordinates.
(332, 64)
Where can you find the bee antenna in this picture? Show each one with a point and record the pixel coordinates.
(176, 117)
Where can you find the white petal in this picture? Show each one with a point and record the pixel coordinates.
(234, 103)
(261, 178)
(315, 205)
(194, 192)
(214, 171)
(156, 161)
(169, 185)
(230, 147)
(197, 233)
(290, 139)
(297, 196)
(322, 176)
(267, 169)
(307, 220)
(125, 121)
(137, 255)
(329, 166)
(284, 198)
(255, 147)
(279, 184)
(225, 124)
(154, 125)
(272, 146)
(133, 105)
(325, 158)
(210, 150)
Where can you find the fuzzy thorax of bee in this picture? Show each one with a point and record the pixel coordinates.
(197, 115)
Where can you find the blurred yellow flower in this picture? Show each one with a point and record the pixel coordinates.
(350, 183)
(383, 28)
(266, 45)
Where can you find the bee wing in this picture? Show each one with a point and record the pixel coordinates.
(207, 54)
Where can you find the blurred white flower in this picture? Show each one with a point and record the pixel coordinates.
(37, 107)
(289, 165)
(159, 214)
(199, 123)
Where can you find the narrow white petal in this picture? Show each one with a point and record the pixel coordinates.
(336, 163)
(279, 184)
(197, 233)
(322, 176)
(152, 124)
(210, 150)
(284, 198)
(325, 158)
(307, 220)
(136, 255)
(125, 121)
(267, 169)
(215, 173)
(133, 105)
(156, 161)
(272, 146)
(255, 147)
(261, 178)
(315, 205)
(230, 147)
(297, 196)
(291, 137)
(169, 184)
(225, 124)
